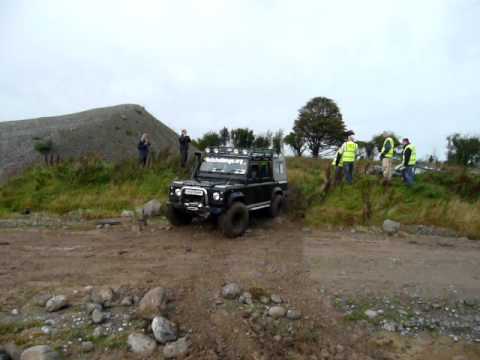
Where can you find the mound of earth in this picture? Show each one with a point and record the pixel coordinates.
(111, 133)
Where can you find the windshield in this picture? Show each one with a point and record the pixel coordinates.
(224, 165)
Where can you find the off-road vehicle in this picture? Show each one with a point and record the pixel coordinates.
(228, 184)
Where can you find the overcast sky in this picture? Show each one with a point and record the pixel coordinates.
(411, 66)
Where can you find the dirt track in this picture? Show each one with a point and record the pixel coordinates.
(306, 268)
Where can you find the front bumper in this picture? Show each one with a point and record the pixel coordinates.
(196, 209)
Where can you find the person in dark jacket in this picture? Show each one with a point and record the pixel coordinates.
(409, 161)
(184, 141)
(143, 149)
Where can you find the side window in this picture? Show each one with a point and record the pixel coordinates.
(266, 170)
(254, 172)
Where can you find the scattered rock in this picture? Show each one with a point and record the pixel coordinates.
(40, 352)
(389, 326)
(276, 299)
(164, 330)
(127, 214)
(98, 316)
(277, 338)
(153, 303)
(391, 227)
(152, 208)
(177, 348)
(371, 314)
(264, 300)
(56, 303)
(277, 312)
(91, 307)
(294, 314)
(98, 332)
(41, 299)
(246, 298)
(141, 344)
(470, 302)
(127, 301)
(231, 291)
(87, 346)
(15, 312)
(103, 296)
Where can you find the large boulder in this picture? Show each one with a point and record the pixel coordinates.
(391, 227)
(152, 208)
(153, 303)
(40, 352)
(56, 303)
(141, 344)
(164, 330)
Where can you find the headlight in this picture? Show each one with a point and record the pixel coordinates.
(178, 192)
(216, 196)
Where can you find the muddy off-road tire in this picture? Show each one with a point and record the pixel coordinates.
(234, 222)
(176, 217)
(277, 206)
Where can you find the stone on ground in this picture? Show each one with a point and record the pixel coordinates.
(231, 291)
(294, 314)
(164, 330)
(98, 316)
(141, 344)
(56, 303)
(391, 227)
(152, 208)
(177, 348)
(40, 352)
(371, 314)
(103, 296)
(153, 303)
(276, 299)
(127, 214)
(277, 312)
(87, 346)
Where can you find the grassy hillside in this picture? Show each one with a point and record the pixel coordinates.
(450, 199)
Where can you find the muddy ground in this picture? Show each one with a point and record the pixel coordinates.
(327, 275)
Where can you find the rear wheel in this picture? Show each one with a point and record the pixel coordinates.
(277, 206)
(177, 217)
(234, 222)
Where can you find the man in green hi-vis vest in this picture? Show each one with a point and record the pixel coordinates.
(388, 150)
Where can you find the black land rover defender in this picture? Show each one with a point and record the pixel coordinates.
(228, 184)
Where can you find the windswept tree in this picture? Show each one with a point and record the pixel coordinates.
(224, 136)
(209, 139)
(321, 125)
(277, 142)
(296, 142)
(44, 147)
(242, 138)
(463, 150)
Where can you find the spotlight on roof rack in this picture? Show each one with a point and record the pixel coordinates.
(215, 150)
(235, 151)
(207, 150)
(245, 152)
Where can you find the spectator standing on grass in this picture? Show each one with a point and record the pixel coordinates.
(409, 161)
(386, 156)
(338, 174)
(184, 141)
(348, 156)
(143, 149)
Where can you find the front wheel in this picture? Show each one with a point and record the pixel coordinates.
(234, 222)
(277, 206)
(177, 217)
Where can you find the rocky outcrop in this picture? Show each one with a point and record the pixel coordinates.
(111, 133)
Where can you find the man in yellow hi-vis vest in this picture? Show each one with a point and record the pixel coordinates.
(348, 153)
(409, 161)
(388, 150)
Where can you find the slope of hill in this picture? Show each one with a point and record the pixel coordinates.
(110, 132)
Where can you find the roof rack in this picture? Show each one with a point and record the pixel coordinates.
(227, 150)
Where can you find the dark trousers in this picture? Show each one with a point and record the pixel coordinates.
(338, 174)
(143, 159)
(183, 157)
(348, 172)
(408, 174)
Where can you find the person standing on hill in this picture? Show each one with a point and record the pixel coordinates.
(409, 161)
(348, 153)
(143, 149)
(184, 141)
(386, 156)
